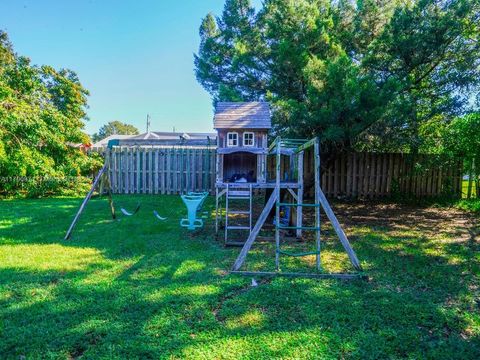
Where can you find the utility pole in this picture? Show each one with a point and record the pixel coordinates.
(148, 122)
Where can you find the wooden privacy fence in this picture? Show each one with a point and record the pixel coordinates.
(375, 175)
(137, 170)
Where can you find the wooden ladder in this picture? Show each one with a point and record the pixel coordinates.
(234, 194)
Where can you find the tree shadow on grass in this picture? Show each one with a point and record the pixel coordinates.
(180, 307)
(157, 292)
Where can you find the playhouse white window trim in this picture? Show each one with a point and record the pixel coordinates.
(248, 138)
(232, 139)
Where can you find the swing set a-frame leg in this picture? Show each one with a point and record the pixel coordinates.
(102, 179)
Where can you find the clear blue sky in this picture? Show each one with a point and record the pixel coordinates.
(135, 57)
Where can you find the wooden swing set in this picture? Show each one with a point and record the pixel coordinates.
(293, 148)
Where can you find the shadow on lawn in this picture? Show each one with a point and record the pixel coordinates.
(172, 298)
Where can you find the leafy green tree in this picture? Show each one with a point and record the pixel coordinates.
(359, 74)
(42, 112)
(462, 138)
(427, 62)
(114, 128)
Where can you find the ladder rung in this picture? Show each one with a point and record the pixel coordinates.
(244, 212)
(235, 227)
(298, 227)
(238, 198)
(234, 243)
(298, 254)
(302, 204)
(238, 193)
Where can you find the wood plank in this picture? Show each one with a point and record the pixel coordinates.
(388, 184)
(345, 276)
(131, 171)
(428, 181)
(396, 171)
(434, 180)
(120, 167)
(150, 171)
(331, 178)
(339, 231)
(348, 180)
(213, 155)
(373, 167)
(300, 194)
(316, 150)
(125, 173)
(187, 170)
(366, 175)
(440, 181)
(278, 166)
(201, 170)
(162, 159)
(137, 171)
(111, 156)
(294, 196)
(85, 201)
(125, 168)
(118, 156)
(383, 189)
(175, 171)
(168, 172)
(361, 168)
(157, 170)
(354, 190)
(336, 176)
(378, 177)
(179, 170)
(194, 170)
(144, 171)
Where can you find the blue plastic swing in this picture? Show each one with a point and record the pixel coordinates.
(193, 201)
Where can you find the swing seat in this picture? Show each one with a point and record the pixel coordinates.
(193, 202)
(157, 215)
(127, 213)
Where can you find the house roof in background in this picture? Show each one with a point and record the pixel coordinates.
(162, 139)
(104, 142)
(239, 115)
(163, 135)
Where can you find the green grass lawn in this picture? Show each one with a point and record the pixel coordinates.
(140, 288)
(465, 189)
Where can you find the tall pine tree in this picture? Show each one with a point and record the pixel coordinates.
(363, 73)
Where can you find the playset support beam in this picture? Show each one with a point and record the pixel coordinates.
(316, 153)
(277, 207)
(300, 194)
(87, 198)
(256, 229)
(340, 276)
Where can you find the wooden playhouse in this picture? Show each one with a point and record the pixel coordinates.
(242, 141)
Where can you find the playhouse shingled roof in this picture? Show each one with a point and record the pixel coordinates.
(242, 115)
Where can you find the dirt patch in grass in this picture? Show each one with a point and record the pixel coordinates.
(432, 221)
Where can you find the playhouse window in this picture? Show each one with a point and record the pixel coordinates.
(248, 138)
(232, 139)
